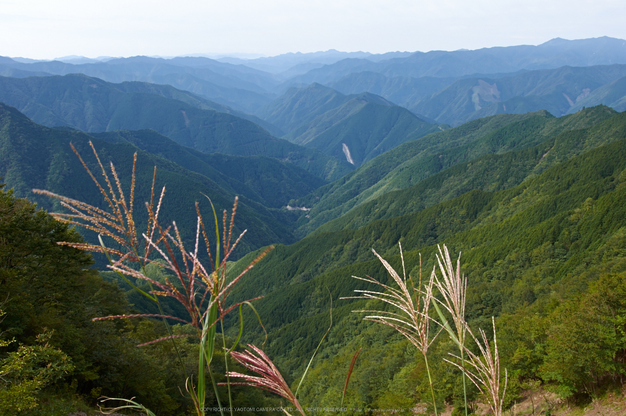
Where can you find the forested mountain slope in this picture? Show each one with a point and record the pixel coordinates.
(556, 90)
(32, 95)
(414, 161)
(300, 106)
(265, 180)
(92, 105)
(491, 172)
(526, 250)
(355, 127)
(33, 156)
(369, 130)
(613, 95)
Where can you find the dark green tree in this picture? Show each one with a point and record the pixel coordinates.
(47, 287)
(586, 346)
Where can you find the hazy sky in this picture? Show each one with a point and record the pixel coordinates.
(45, 29)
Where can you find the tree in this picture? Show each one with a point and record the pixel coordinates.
(586, 346)
(49, 288)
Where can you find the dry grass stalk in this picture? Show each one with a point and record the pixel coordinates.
(194, 284)
(119, 223)
(484, 370)
(411, 315)
(453, 288)
(411, 320)
(254, 359)
(350, 369)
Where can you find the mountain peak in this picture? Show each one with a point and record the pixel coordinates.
(555, 42)
(373, 98)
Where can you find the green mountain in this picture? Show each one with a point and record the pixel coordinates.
(485, 175)
(526, 250)
(236, 86)
(612, 94)
(401, 90)
(34, 156)
(92, 105)
(300, 105)
(31, 94)
(491, 172)
(355, 127)
(197, 101)
(367, 130)
(264, 180)
(554, 90)
(414, 161)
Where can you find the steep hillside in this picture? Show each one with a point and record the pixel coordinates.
(526, 250)
(265, 180)
(557, 91)
(93, 105)
(493, 172)
(300, 105)
(367, 130)
(354, 127)
(322, 121)
(482, 221)
(612, 94)
(412, 162)
(33, 156)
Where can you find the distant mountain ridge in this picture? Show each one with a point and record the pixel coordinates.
(407, 78)
(357, 127)
(92, 105)
(442, 64)
(555, 90)
(232, 85)
(34, 156)
(291, 61)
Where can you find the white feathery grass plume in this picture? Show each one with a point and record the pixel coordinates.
(484, 370)
(411, 315)
(453, 288)
(411, 318)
